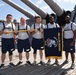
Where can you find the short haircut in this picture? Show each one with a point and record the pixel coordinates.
(52, 15)
(37, 17)
(8, 15)
(68, 13)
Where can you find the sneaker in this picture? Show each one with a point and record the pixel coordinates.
(19, 63)
(2, 65)
(11, 64)
(34, 63)
(28, 62)
(56, 62)
(48, 62)
(41, 63)
(65, 62)
(72, 66)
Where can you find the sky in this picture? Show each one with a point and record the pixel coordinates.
(7, 9)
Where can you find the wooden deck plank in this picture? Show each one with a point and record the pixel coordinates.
(37, 70)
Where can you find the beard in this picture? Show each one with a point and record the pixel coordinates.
(67, 21)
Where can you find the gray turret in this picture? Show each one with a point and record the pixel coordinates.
(19, 8)
(34, 7)
(61, 13)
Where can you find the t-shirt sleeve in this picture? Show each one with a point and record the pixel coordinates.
(32, 26)
(44, 26)
(1, 26)
(28, 27)
(16, 27)
(58, 26)
(74, 26)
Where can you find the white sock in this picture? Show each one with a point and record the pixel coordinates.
(10, 61)
(2, 62)
(27, 60)
(40, 59)
(34, 59)
(20, 60)
(72, 63)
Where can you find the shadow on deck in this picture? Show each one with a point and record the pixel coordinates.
(37, 70)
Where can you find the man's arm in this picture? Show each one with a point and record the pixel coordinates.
(74, 37)
(3, 32)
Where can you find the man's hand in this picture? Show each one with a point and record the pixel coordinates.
(16, 32)
(41, 30)
(33, 31)
(5, 32)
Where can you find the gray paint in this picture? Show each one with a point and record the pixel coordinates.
(19, 8)
(34, 7)
(54, 7)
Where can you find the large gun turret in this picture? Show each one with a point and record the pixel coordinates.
(19, 8)
(61, 13)
(38, 10)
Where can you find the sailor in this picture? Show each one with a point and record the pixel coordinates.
(23, 40)
(37, 41)
(50, 25)
(69, 40)
(7, 39)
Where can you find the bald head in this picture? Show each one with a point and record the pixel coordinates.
(22, 21)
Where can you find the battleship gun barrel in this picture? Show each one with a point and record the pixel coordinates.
(34, 7)
(19, 8)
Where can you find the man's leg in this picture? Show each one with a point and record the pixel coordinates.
(41, 57)
(3, 56)
(10, 58)
(34, 55)
(27, 57)
(4, 49)
(56, 61)
(20, 56)
(20, 50)
(41, 54)
(20, 59)
(48, 62)
(66, 55)
(73, 59)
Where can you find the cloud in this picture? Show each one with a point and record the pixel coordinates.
(1, 5)
(70, 1)
(59, 1)
(39, 2)
(45, 7)
(65, 1)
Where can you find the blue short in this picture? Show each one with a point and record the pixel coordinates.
(67, 46)
(37, 44)
(23, 44)
(8, 45)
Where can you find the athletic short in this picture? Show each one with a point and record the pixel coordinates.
(37, 44)
(67, 46)
(23, 44)
(8, 45)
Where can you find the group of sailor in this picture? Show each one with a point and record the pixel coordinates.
(9, 31)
